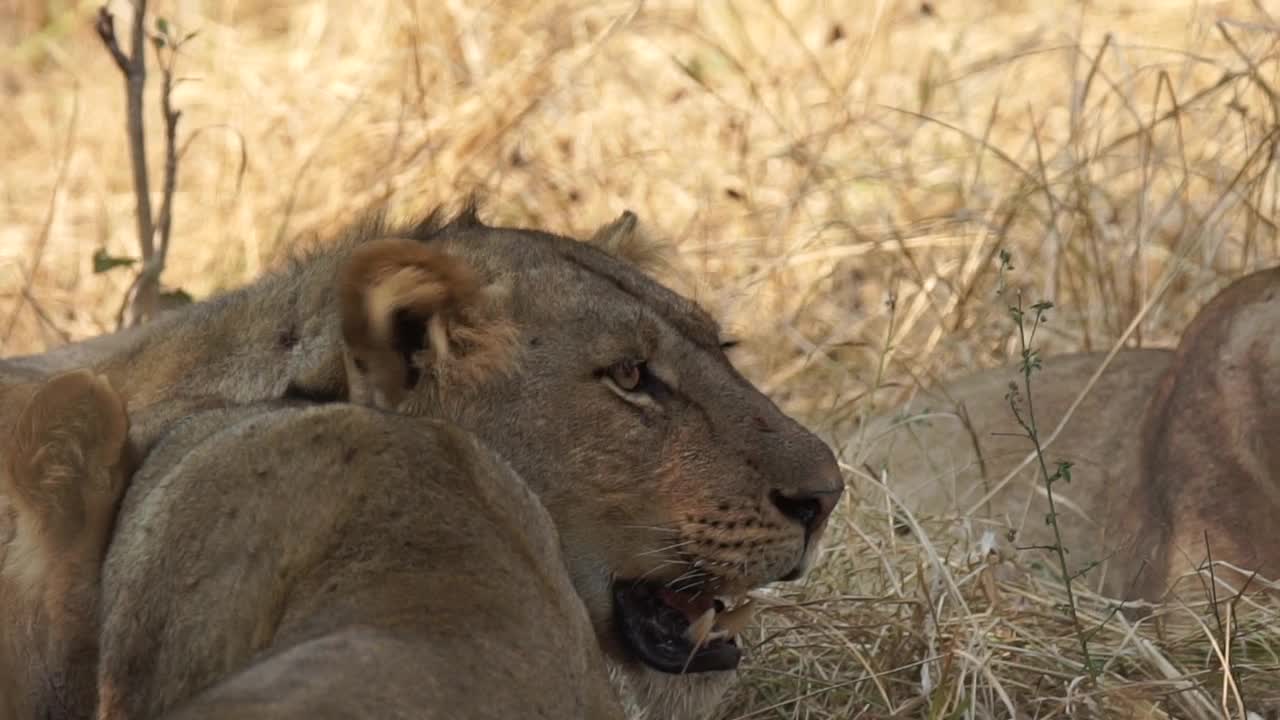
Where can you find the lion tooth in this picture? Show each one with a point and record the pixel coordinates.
(730, 601)
(700, 630)
(736, 620)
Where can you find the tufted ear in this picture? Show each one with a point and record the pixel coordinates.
(407, 307)
(624, 239)
(613, 236)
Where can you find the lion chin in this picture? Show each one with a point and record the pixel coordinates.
(648, 694)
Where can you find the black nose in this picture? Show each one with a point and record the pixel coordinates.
(809, 509)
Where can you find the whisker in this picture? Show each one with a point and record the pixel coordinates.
(656, 528)
(690, 573)
(659, 566)
(663, 549)
(691, 579)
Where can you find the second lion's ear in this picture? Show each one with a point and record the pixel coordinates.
(403, 307)
(67, 454)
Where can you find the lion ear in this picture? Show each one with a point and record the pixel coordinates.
(69, 437)
(404, 307)
(624, 239)
(613, 235)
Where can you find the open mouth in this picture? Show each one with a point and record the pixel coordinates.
(680, 631)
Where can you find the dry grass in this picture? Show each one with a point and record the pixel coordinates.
(811, 160)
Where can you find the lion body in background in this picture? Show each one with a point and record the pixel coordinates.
(254, 555)
(1170, 449)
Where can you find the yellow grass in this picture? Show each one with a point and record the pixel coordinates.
(811, 160)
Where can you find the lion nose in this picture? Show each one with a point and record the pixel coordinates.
(810, 508)
(804, 481)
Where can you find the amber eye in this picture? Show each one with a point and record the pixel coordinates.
(627, 375)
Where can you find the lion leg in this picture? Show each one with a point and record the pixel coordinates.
(63, 476)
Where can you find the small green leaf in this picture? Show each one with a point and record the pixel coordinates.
(102, 262)
(162, 26)
(1006, 259)
(1030, 361)
(1013, 395)
(1064, 470)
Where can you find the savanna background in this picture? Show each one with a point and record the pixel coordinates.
(837, 180)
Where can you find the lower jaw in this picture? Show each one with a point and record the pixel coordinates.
(676, 632)
(649, 694)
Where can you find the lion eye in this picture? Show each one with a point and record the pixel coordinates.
(627, 375)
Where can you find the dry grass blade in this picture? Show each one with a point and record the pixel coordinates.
(810, 162)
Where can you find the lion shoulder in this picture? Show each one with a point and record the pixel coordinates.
(402, 539)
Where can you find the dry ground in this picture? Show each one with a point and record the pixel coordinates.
(838, 178)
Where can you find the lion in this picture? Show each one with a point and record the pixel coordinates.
(675, 486)
(64, 471)
(1210, 472)
(1169, 450)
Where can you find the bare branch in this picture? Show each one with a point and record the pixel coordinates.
(106, 27)
(126, 302)
(164, 222)
(146, 295)
(141, 300)
(134, 69)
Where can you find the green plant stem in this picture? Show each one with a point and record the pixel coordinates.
(1029, 425)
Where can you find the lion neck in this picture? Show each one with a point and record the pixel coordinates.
(276, 337)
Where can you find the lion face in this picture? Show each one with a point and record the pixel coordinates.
(675, 485)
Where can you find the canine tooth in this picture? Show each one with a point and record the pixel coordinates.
(736, 620)
(700, 631)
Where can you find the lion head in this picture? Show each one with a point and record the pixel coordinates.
(676, 486)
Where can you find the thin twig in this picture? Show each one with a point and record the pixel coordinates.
(104, 24)
(134, 69)
(141, 300)
(148, 291)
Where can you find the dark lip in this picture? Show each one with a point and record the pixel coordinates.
(655, 633)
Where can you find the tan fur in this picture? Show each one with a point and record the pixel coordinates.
(1210, 459)
(1168, 446)
(64, 472)
(421, 582)
(510, 335)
